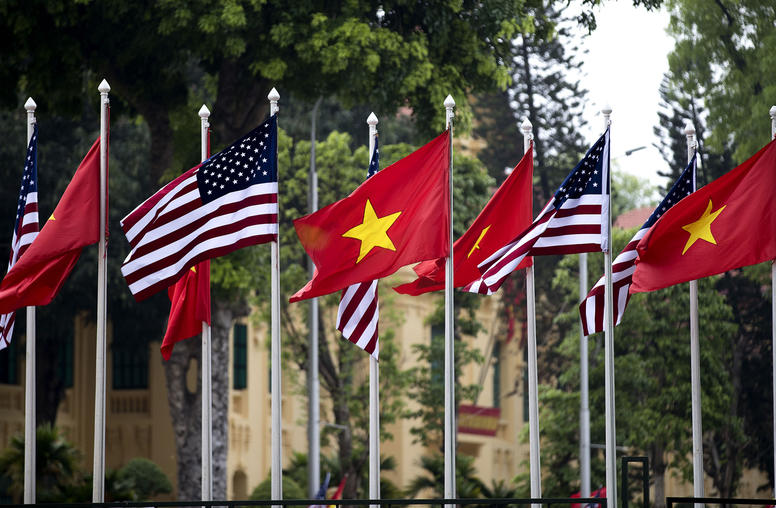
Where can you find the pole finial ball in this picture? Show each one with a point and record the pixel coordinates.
(607, 109)
(273, 95)
(104, 87)
(526, 126)
(449, 101)
(689, 129)
(204, 112)
(773, 111)
(30, 105)
(372, 119)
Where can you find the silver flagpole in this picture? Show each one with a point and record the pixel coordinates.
(584, 398)
(374, 377)
(533, 380)
(773, 324)
(277, 465)
(98, 471)
(207, 373)
(449, 446)
(695, 361)
(313, 382)
(611, 437)
(30, 436)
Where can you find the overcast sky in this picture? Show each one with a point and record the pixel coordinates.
(625, 62)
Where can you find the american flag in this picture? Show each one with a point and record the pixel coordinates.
(225, 203)
(25, 227)
(358, 311)
(573, 221)
(591, 310)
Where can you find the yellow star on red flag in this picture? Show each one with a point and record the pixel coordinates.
(701, 228)
(373, 231)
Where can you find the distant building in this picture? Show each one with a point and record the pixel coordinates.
(633, 218)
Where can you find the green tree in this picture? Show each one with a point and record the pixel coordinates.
(728, 449)
(467, 484)
(738, 42)
(144, 478)
(652, 368)
(57, 465)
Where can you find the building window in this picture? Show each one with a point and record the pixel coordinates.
(8, 364)
(65, 362)
(130, 367)
(496, 373)
(240, 360)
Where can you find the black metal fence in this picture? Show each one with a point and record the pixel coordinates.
(672, 502)
(340, 503)
(600, 502)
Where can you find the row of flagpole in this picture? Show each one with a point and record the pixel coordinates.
(534, 463)
(611, 436)
(449, 444)
(449, 386)
(772, 113)
(30, 417)
(374, 374)
(313, 388)
(98, 475)
(207, 347)
(695, 358)
(275, 359)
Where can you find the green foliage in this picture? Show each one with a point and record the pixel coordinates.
(738, 43)
(57, 465)
(652, 365)
(291, 490)
(144, 478)
(60, 477)
(545, 92)
(467, 484)
(418, 53)
(297, 471)
(737, 40)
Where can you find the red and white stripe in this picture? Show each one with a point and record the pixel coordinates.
(574, 228)
(173, 230)
(21, 240)
(592, 307)
(357, 316)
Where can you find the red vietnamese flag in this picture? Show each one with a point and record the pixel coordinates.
(506, 215)
(397, 217)
(36, 278)
(727, 224)
(189, 306)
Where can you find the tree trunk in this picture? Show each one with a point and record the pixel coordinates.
(659, 474)
(242, 101)
(185, 412)
(222, 318)
(50, 385)
(158, 119)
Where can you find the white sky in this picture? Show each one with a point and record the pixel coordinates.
(625, 62)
